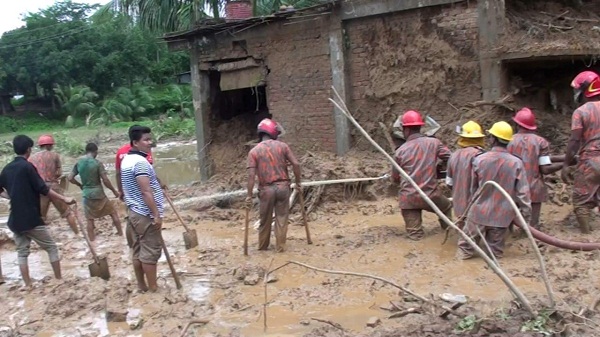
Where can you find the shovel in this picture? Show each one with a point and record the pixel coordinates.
(99, 268)
(246, 231)
(168, 257)
(190, 238)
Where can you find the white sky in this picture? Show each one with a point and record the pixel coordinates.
(11, 11)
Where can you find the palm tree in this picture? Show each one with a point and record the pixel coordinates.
(79, 100)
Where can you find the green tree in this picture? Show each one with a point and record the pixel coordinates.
(76, 101)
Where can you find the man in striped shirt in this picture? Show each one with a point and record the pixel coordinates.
(145, 202)
(492, 213)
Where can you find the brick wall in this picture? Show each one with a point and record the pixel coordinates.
(419, 59)
(238, 10)
(297, 56)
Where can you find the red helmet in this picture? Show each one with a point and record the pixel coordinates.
(412, 118)
(45, 140)
(525, 118)
(583, 78)
(269, 127)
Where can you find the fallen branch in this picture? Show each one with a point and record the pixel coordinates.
(561, 16)
(373, 277)
(434, 207)
(333, 324)
(405, 312)
(591, 308)
(501, 103)
(192, 322)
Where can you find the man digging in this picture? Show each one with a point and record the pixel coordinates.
(418, 156)
(269, 161)
(492, 213)
(48, 165)
(145, 202)
(95, 203)
(23, 184)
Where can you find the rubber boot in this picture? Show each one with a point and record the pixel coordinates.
(583, 219)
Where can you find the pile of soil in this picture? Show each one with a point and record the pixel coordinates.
(542, 26)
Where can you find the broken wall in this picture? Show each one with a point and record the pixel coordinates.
(423, 59)
(297, 56)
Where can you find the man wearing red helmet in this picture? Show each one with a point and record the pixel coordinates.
(534, 151)
(584, 141)
(418, 157)
(48, 165)
(269, 161)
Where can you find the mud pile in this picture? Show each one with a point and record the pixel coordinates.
(550, 26)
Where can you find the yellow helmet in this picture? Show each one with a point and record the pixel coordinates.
(471, 130)
(502, 131)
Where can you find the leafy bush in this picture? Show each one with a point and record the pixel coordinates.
(68, 145)
(174, 100)
(171, 127)
(9, 124)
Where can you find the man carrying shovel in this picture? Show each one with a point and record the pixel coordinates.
(95, 203)
(145, 202)
(269, 161)
(418, 157)
(23, 184)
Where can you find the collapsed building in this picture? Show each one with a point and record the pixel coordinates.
(450, 59)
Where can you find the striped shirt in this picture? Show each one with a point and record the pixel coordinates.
(135, 165)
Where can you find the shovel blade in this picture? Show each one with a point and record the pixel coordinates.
(190, 238)
(100, 269)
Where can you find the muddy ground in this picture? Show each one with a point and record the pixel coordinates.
(354, 228)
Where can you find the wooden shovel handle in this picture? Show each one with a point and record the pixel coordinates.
(301, 196)
(84, 233)
(168, 257)
(246, 231)
(175, 210)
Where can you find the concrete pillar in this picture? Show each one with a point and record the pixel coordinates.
(200, 94)
(338, 75)
(491, 16)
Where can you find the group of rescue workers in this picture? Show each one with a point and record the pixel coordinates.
(517, 162)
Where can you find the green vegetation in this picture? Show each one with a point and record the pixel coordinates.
(540, 324)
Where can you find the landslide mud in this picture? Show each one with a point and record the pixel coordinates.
(224, 286)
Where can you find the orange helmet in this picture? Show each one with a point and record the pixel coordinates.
(269, 127)
(412, 118)
(525, 118)
(45, 140)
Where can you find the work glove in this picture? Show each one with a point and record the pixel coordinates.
(248, 203)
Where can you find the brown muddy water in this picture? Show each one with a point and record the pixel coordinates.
(222, 285)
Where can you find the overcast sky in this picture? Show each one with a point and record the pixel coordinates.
(11, 11)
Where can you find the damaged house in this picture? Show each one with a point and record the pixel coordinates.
(450, 59)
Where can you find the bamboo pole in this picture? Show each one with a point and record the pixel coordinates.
(509, 283)
(524, 225)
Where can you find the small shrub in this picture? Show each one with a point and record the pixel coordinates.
(69, 145)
